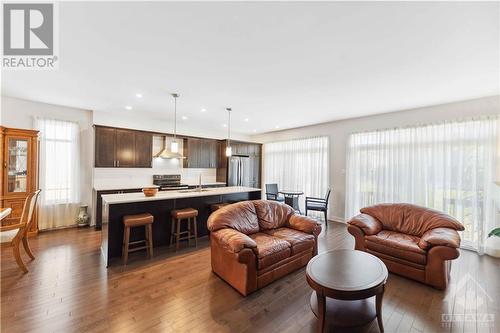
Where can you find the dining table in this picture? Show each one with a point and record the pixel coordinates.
(292, 198)
(4, 212)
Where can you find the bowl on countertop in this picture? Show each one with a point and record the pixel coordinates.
(150, 191)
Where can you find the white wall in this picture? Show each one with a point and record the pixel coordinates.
(338, 131)
(19, 113)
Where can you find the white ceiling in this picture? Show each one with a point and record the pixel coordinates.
(277, 64)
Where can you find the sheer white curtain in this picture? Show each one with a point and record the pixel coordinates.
(300, 164)
(59, 172)
(448, 166)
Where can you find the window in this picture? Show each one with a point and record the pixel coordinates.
(59, 171)
(300, 164)
(448, 166)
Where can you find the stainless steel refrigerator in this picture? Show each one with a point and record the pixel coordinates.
(239, 171)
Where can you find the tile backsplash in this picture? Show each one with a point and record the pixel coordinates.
(116, 178)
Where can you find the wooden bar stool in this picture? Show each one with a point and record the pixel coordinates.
(179, 215)
(219, 205)
(139, 220)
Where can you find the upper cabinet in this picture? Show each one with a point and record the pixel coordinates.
(143, 149)
(200, 153)
(122, 148)
(105, 142)
(245, 148)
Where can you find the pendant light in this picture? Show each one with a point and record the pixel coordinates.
(229, 150)
(174, 146)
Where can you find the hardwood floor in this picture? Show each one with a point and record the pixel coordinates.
(69, 290)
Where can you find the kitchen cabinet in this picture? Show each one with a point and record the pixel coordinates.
(143, 149)
(239, 148)
(105, 142)
(125, 148)
(200, 153)
(191, 152)
(98, 202)
(122, 148)
(19, 176)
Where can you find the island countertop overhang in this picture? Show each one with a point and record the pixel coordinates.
(110, 199)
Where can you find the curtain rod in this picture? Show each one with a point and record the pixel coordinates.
(456, 120)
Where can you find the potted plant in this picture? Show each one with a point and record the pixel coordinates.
(494, 232)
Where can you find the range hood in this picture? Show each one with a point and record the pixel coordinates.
(165, 153)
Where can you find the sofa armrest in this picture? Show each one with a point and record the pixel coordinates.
(233, 240)
(304, 224)
(367, 223)
(439, 237)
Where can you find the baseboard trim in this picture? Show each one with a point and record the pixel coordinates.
(337, 219)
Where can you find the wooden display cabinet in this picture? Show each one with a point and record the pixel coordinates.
(19, 176)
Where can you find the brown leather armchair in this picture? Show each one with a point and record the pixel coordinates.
(254, 243)
(416, 242)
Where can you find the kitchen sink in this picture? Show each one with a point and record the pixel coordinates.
(194, 190)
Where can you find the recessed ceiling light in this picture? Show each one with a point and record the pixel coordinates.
(246, 119)
(277, 126)
(138, 95)
(128, 107)
(224, 125)
(184, 118)
(203, 110)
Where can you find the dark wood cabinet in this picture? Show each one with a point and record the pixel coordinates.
(98, 202)
(191, 152)
(125, 148)
(213, 153)
(143, 149)
(200, 153)
(105, 142)
(122, 148)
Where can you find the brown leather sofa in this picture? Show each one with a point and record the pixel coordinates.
(416, 242)
(254, 243)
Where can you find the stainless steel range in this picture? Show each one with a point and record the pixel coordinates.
(169, 182)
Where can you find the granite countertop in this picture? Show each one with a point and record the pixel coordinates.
(110, 199)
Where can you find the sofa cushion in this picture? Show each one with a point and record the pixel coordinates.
(411, 219)
(240, 216)
(397, 245)
(300, 241)
(269, 249)
(272, 214)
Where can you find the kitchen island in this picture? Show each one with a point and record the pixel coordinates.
(118, 205)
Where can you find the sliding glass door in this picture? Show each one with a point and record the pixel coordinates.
(298, 165)
(449, 166)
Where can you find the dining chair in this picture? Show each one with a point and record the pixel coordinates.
(319, 204)
(272, 193)
(14, 234)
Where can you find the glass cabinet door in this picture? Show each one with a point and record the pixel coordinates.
(17, 165)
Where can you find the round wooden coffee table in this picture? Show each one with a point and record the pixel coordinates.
(345, 283)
